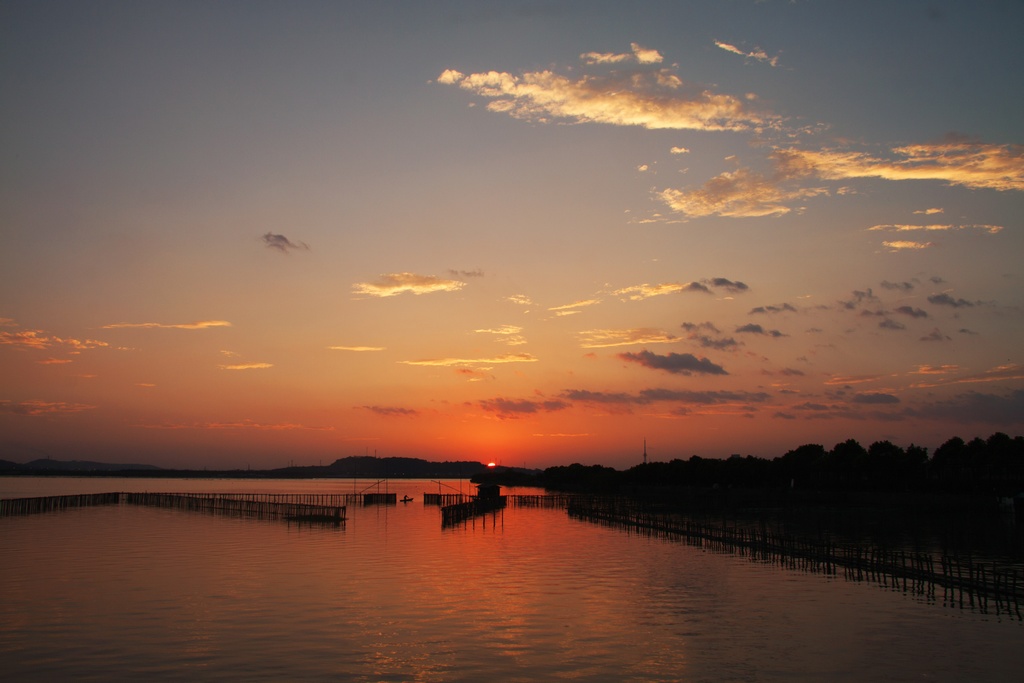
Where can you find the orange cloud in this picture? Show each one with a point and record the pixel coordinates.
(356, 348)
(200, 325)
(448, 362)
(243, 424)
(758, 54)
(646, 291)
(935, 369)
(37, 339)
(639, 54)
(36, 407)
(973, 165)
(852, 379)
(1000, 373)
(738, 194)
(508, 334)
(899, 245)
(393, 284)
(247, 366)
(570, 308)
(654, 99)
(991, 229)
(599, 339)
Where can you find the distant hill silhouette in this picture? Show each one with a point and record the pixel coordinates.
(50, 465)
(401, 468)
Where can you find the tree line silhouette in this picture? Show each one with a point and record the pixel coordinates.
(993, 466)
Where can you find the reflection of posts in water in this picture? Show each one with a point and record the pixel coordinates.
(460, 512)
(966, 583)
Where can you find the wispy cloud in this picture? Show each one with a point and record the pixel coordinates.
(945, 299)
(247, 366)
(356, 348)
(391, 411)
(201, 325)
(246, 424)
(742, 193)
(507, 408)
(875, 398)
(698, 332)
(282, 243)
(630, 95)
(843, 380)
(646, 291)
(773, 308)
(507, 334)
(599, 339)
(903, 245)
(35, 407)
(647, 396)
(1000, 373)
(37, 339)
(455, 362)
(747, 193)
(393, 284)
(640, 55)
(969, 164)
(754, 328)
(911, 311)
(935, 369)
(757, 53)
(569, 309)
(465, 273)
(903, 227)
(675, 363)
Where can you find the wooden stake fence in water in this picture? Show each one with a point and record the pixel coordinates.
(28, 506)
(965, 582)
(299, 507)
(460, 512)
(251, 505)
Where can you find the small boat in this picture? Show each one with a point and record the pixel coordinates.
(406, 499)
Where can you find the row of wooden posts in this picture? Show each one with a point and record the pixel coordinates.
(461, 512)
(293, 507)
(963, 580)
(29, 506)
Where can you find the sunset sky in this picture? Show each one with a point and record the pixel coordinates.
(264, 233)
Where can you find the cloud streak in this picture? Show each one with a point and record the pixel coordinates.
(282, 243)
(757, 53)
(967, 164)
(393, 284)
(247, 366)
(457, 362)
(599, 339)
(675, 363)
(37, 339)
(640, 95)
(506, 408)
(36, 407)
(742, 193)
(200, 325)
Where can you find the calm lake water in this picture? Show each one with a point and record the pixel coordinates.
(134, 593)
